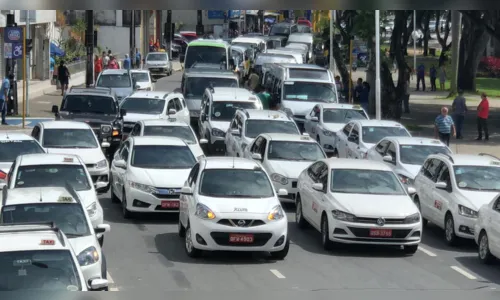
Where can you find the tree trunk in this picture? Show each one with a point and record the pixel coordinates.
(455, 33)
(443, 40)
(370, 75)
(427, 33)
(341, 66)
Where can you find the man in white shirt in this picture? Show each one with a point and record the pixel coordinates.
(105, 60)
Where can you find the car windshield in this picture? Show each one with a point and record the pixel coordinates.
(145, 106)
(140, 77)
(373, 182)
(309, 91)
(224, 110)
(183, 132)
(195, 86)
(115, 81)
(69, 138)
(235, 183)
(373, 134)
(294, 151)
(206, 55)
(69, 217)
(162, 157)
(256, 127)
(478, 178)
(279, 30)
(89, 104)
(52, 175)
(416, 154)
(157, 57)
(38, 270)
(10, 149)
(343, 115)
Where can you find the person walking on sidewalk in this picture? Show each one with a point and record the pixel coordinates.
(459, 108)
(105, 60)
(97, 67)
(433, 75)
(421, 77)
(4, 96)
(444, 127)
(127, 62)
(364, 97)
(483, 110)
(63, 76)
(137, 58)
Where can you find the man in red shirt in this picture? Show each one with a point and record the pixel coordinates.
(483, 110)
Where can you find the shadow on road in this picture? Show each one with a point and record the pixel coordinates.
(433, 236)
(489, 272)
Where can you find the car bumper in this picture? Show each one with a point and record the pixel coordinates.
(290, 187)
(269, 237)
(217, 144)
(464, 227)
(92, 271)
(160, 71)
(140, 201)
(101, 174)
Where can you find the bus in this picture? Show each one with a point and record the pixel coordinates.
(208, 52)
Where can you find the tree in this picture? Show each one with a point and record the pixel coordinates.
(445, 47)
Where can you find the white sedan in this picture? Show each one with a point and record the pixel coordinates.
(142, 78)
(357, 202)
(487, 231)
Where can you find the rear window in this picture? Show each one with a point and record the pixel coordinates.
(10, 149)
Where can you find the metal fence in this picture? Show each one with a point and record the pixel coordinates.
(77, 66)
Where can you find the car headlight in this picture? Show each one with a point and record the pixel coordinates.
(200, 157)
(328, 133)
(106, 129)
(88, 256)
(218, 132)
(276, 213)
(415, 218)
(467, 212)
(92, 209)
(279, 178)
(405, 180)
(203, 212)
(102, 164)
(143, 187)
(343, 216)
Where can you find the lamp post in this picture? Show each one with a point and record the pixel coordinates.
(378, 102)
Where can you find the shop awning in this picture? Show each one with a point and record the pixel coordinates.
(55, 50)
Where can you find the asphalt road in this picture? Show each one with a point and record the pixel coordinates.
(146, 254)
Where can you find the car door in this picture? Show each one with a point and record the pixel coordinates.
(184, 200)
(352, 144)
(182, 110)
(392, 152)
(119, 174)
(230, 137)
(442, 198)
(319, 197)
(254, 147)
(426, 186)
(341, 143)
(494, 228)
(310, 124)
(306, 191)
(377, 153)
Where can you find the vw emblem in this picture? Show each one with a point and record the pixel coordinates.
(242, 223)
(381, 222)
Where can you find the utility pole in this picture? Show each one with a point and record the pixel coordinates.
(199, 23)
(89, 44)
(415, 41)
(132, 36)
(456, 23)
(28, 63)
(330, 51)
(378, 99)
(168, 31)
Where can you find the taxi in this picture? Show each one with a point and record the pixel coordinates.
(63, 206)
(452, 188)
(325, 120)
(486, 231)
(39, 257)
(247, 124)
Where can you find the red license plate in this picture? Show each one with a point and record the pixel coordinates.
(241, 238)
(382, 233)
(170, 204)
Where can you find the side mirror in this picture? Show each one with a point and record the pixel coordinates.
(105, 145)
(55, 109)
(186, 191)
(101, 187)
(102, 228)
(314, 119)
(387, 158)
(123, 112)
(353, 139)
(282, 192)
(235, 132)
(412, 190)
(172, 111)
(203, 141)
(257, 156)
(317, 187)
(441, 185)
(120, 164)
(98, 284)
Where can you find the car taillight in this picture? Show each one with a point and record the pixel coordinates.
(3, 175)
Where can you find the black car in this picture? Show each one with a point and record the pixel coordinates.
(97, 107)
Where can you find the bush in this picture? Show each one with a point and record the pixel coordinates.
(490, 65)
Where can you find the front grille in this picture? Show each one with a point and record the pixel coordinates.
(237, 222)
(365, 233)
(90, 166)
(294, 184)
(259, 239)
(168, 193)
(374, 221)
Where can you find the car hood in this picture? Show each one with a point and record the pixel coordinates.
(89, 156)
(475, 199)
(221, 125)
(300, 108)
(376, 206)
(5, 166)
(289, 169)
(133, 117)
(196, 149)
(193, 104)
(88, 197)
(333, 127)
(81, 243)
(410, 171)
(122, 92)
(90, 119)
(162, 178)
(228, 205)
(144, 85)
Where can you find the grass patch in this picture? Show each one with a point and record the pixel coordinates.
(491, 86)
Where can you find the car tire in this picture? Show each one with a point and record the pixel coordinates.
(410, 250)
(180, 228)
(104, 270)
(280, 255)
(299, 217)
(484, 253)
(191, 251)
(449, 230)
(325, 235)
(125, 212)
(114, 198)
(416, 200)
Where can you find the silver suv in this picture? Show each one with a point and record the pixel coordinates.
(158, 64)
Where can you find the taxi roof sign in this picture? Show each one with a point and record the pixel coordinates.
(65, 199)
(68, 159)
(356, 106)
(305, 138)
(47, 242)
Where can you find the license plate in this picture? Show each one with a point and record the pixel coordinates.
(170, 204)
(241, 238)
(381, 233)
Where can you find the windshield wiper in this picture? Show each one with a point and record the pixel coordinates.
(73, 235)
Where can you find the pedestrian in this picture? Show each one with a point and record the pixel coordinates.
(52, 65)
(105, 60)
(265, 98)
(340, 88)
(459, 108)
(442, 77)
(444, 127)
(113, 64)
(97, 67)
(364, 96)
(253, 81)
(421, 77)
(4, 96)
(63, 76)
(137, 58)
(357, 90)
(483, 110)
(433, 75)
(127, 63)
(406, 94)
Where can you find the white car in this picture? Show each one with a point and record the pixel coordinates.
(487, 231)
(452, 188)
(39, 258)
(147, 174)
(171, 128)
(324, 120)
(153, 105)
(357, 202)
(63, 207)
(57, 170)
(406, 155)
(229, 204)
(357, 137)
(247, 124)
(143, 80)
(13, 144)
(77, 138)
(284, 156)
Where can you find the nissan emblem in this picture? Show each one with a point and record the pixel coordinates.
(242, 223)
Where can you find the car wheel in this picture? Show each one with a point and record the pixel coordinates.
(449, 230)
(325, 234)
(484, 253)
(191, 251)
(125, 212)
(280, 255)
(416, 200)
(114, 198)
(104, 270)
(299, 218)
(410, 250)
(180, 228)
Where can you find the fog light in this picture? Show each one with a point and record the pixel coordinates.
(138, 203)
(200, 240)
(280, 241)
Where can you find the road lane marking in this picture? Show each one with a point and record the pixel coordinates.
(111, 283)
(463, 272)
(432, 254)
(277, 274)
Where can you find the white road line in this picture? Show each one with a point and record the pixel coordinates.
(277, 274)
(432, 254)
(463, 272)
(111, 282)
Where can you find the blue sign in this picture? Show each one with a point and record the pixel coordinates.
(215, 14)
(28, 122)
(234, 14)
(17, 50)
(13, 35)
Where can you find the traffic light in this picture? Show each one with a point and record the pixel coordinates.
(29, 45)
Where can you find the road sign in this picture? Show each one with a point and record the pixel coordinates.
(13, 35)
(7, 50)
(17, 50)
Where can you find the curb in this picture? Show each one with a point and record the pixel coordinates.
(46, 87)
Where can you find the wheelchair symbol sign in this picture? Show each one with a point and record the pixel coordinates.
(17, 50)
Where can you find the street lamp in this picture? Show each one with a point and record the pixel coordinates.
(378, 102)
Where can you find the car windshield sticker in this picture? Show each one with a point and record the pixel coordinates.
(217, 114)
(459, 171)
(371, 129)
(11, 141)
(22, 272)
(21, 262)
(407, 147)
(462, 184)
(302, 97)
(53, 170)
(72, 288)
(9, 208)
(20, 182)
(229, 104)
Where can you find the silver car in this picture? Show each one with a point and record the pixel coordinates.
(119, 80)
(158, 64)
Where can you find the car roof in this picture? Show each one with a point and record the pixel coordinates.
(114, 72)
(39, 195)
(163, 122)
(407, 140)
(158, 52)
(303, 66)
(48, 159)
(209, 72)
(259, 114)
(288, 137)
(222, 162)
(357, 164)
(13, 135)
(248, 39)
(379, 123)
(469, 159)
(149, 94)
(64, 125)
(17, 237)
(232, 94)
(139, 71)
(340, 106)
(156, 141)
